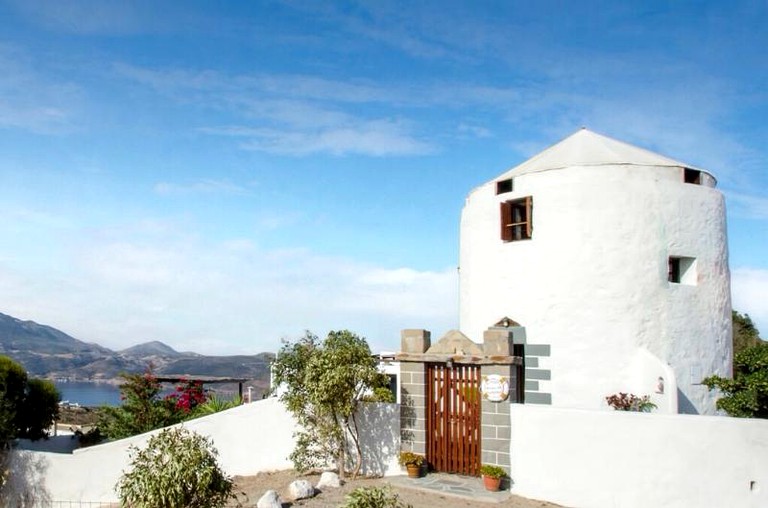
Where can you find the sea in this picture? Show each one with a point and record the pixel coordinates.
(94, 394)
(88, 393)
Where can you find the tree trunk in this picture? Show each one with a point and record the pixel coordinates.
(356, 440)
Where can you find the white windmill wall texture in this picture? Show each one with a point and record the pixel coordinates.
(592, 281)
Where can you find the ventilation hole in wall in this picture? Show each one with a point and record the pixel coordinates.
(503, 186)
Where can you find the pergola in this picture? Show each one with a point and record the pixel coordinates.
(180, 378)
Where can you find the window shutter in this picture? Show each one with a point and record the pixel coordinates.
(506, 220)
(528, 216)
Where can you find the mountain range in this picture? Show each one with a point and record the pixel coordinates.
(46, 352)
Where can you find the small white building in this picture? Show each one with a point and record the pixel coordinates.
(615, 261)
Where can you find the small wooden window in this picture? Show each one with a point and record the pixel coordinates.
(516, 221)
(503, 186)
(692, 176)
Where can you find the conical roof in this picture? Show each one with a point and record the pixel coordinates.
(587, 148)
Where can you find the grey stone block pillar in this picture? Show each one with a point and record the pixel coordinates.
(495, 421)
(413, 422)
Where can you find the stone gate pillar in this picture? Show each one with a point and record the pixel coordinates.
(495, 422)
(413, 422)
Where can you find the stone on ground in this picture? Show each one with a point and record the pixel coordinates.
(329, 479)
(270, 499)
(301, 489)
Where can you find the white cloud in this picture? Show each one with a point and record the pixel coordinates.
(132, 285)
(30, 101)
(375, 138)
(747, 206)
(749, 287)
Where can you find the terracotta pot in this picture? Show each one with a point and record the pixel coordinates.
(492, 484)
(414, 471)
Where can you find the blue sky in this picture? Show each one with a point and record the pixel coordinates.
(221, 175)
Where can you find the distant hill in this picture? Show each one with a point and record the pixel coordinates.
(47, 352)
(150, 348)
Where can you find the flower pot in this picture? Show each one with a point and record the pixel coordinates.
(492, 484)
(414, 470)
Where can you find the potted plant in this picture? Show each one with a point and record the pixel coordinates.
(412, 462)
(492, 476)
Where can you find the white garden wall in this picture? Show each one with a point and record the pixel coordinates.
(596, 459)
(250, 439)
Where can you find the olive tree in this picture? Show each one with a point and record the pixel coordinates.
(13, 385)
(28, 407)
(322, 384)
(40, 409)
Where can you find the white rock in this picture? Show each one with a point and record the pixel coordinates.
(329, 479)
(301, 489)
(270, 499)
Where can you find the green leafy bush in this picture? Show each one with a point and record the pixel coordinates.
(143, 409)
(746, 395)
(374, 497)
(177, 469)
(215, 404)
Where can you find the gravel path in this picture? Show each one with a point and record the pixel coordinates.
(253, 487)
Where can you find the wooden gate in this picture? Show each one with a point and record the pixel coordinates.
(453, 418)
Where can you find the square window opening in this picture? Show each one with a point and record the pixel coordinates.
(682, 270)
(692, 176)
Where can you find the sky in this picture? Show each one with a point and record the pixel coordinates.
(223, 175)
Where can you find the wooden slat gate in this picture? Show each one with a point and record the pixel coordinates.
(453, 418)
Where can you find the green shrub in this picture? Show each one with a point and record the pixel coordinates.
(142, 408)
(177, 469)
(746, 395)
(374, 497)
(215, 404)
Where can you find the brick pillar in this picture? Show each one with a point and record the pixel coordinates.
(413, 423)
(495, 422)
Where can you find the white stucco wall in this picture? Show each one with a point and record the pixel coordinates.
(601, 459)
(592, 282)
(250, 438)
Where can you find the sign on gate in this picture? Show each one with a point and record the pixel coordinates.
(495, 388)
